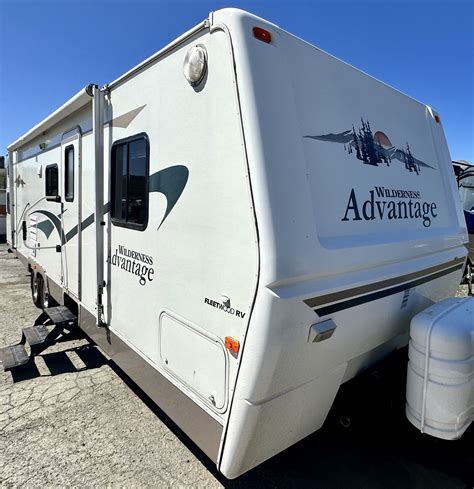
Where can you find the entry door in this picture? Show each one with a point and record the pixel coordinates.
(71, 210)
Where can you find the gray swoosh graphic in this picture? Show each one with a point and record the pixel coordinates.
(55, 221)
(170, 182)
(46, 226)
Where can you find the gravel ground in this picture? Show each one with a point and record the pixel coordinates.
(74, 419)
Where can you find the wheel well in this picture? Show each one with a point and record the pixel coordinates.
(35, 272)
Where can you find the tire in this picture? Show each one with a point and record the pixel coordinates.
(46, 299)
(37, 288)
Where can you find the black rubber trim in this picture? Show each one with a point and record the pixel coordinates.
(340, 306)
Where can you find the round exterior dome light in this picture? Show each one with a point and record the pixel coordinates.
(195, 64)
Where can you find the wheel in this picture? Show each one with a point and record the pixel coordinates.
(37, 286)
(46, 299)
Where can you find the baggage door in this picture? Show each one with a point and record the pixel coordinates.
(71, 210)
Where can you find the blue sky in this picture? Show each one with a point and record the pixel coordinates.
(50, 49)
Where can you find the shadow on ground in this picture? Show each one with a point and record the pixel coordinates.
(380, 448)
(59, 362)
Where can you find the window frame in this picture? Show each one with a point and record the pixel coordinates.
(66, 187)
(117, 221)
(53, 198)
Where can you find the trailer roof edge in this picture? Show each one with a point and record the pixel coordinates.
(74, 103)
(179, 40)
(82, 97)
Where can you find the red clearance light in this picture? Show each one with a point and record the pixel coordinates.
(262, 35)
(437, 118)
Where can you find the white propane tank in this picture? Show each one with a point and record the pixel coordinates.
(440, 378)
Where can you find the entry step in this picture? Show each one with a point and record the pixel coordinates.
(60, 314)
(13, 356)
(35, 335)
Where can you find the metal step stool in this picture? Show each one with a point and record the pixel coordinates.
(14, 356)
(61, 315)
(35, 335)
(38, 337)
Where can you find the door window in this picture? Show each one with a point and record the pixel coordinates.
(69, 173)
(51, 180)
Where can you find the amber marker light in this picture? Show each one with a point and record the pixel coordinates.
(262, 35)
(232, 344)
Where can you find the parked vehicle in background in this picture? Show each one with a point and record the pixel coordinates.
(464, 172)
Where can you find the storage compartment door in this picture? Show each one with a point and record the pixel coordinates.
(195, 359)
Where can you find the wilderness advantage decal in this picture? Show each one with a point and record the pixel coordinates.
(135, 263)
(382, 203)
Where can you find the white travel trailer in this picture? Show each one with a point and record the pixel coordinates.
(243, 222)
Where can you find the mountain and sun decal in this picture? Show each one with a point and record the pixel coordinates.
(373, 148)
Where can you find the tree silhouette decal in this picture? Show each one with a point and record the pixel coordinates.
(373, 151)
(366, 147)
